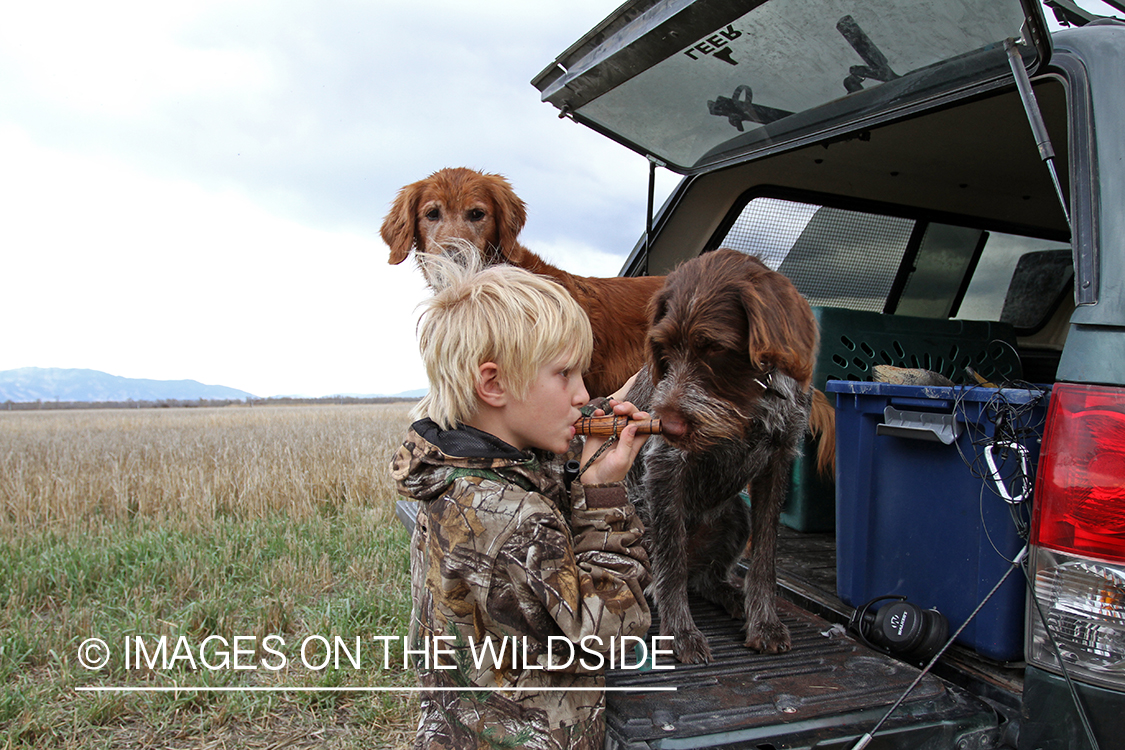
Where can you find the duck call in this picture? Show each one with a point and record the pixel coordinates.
(611, 425)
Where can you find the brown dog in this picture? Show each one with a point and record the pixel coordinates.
(730, 359)
(484, 210)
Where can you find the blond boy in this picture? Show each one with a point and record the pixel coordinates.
(507, 554)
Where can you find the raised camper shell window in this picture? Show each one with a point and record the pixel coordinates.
(696, 83)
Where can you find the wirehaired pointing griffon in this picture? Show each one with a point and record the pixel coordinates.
(731, 349)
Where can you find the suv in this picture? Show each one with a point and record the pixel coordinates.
(944, 180)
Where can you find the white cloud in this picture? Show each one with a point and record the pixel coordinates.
(116, 270)
(590, 260)
(118, 58)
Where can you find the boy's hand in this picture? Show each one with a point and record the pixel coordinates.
(614, 463)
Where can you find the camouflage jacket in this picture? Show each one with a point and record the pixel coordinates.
(509, 566)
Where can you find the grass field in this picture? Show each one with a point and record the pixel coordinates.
(256, 529)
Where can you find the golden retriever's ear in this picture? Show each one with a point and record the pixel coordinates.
(398, 227)
(511, 215)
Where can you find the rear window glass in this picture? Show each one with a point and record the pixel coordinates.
(868, 261)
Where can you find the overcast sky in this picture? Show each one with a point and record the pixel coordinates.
(194, 189)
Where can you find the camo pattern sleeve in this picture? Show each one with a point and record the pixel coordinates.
(506, 588)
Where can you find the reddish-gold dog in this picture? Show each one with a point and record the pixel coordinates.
(459, 203)
(483, 209)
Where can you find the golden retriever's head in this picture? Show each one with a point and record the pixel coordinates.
(457, 204)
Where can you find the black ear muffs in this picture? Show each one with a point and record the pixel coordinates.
(902, 629)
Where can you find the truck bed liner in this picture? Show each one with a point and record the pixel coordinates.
(806, 575)
(826, 692)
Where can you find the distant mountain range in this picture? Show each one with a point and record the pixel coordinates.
(57, 384)
(31, 384)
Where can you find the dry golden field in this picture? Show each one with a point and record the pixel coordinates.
(193, 523)
(67, 470)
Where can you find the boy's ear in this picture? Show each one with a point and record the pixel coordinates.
(490, 389)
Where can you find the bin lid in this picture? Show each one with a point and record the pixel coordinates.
(959, 393)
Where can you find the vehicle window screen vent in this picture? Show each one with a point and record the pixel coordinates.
(836, 258)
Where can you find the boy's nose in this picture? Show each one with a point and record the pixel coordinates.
(581, 396)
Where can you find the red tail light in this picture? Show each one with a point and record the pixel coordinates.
(1078, 537)
(1080, 497)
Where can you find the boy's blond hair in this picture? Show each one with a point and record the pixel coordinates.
(500, 314)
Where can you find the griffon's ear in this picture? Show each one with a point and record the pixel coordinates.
(781, 328)
(657, 306)
(511, 215)
(657, 310)
(398, 228)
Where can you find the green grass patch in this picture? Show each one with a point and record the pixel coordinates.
(334, 575)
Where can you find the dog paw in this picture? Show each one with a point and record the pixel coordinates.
(691, 648)
(768, 637)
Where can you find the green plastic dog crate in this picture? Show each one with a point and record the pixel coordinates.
(854, 341)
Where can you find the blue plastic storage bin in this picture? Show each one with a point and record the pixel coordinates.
(852, 342)
(915, 514)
